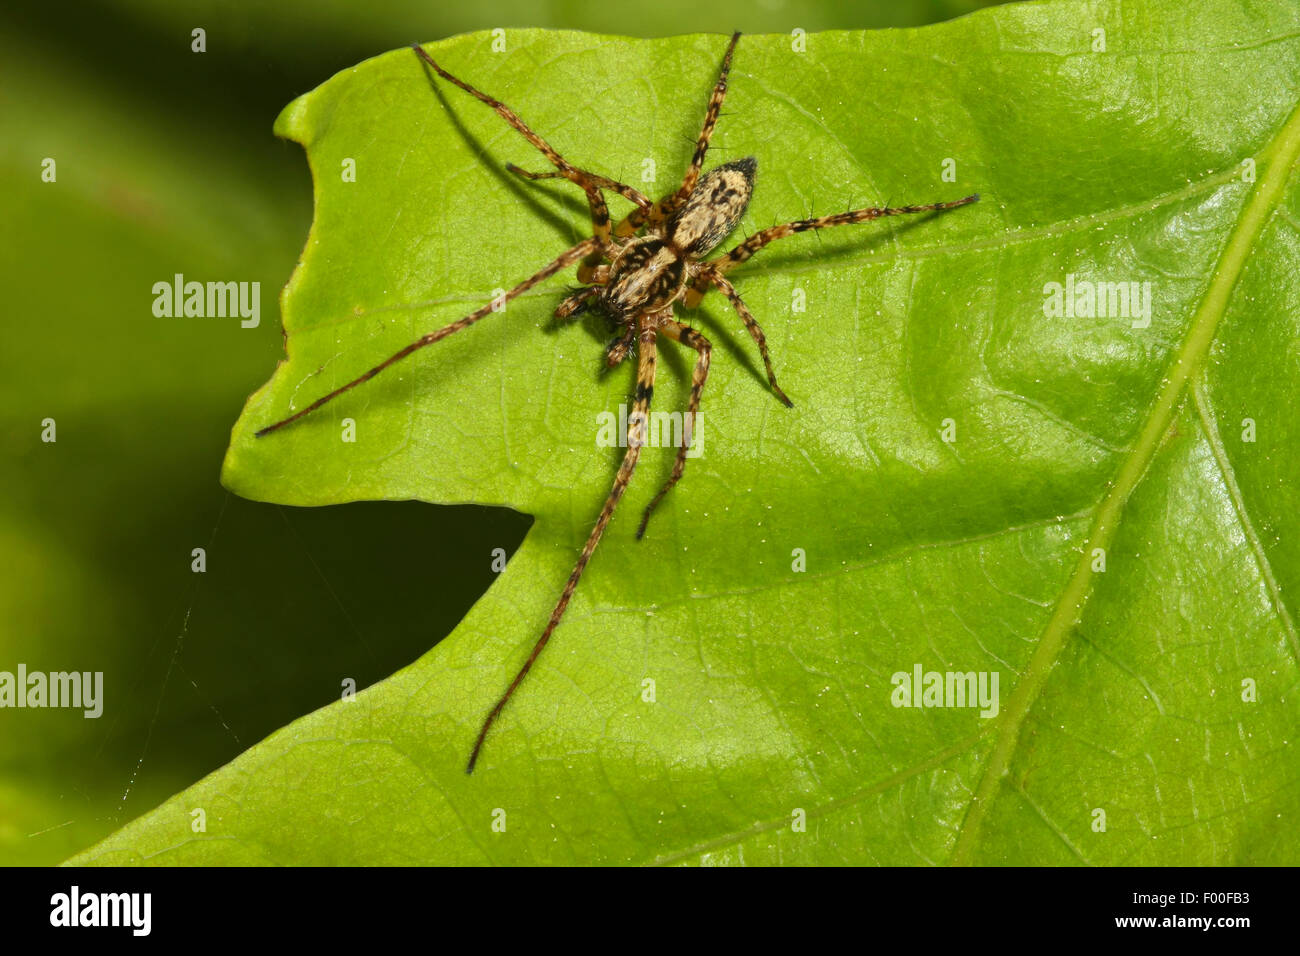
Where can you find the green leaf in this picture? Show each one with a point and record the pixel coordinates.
(1156, 694)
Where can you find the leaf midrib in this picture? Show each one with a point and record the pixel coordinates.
(1281, 155)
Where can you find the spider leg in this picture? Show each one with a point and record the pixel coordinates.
(758, 240)
(706, 133)
(565, 259)
(573, 303)
(618, 349)
(599, 221)
(755, 330)
(593, 274)
(604, 182)
(664, 208)
(599, 212)
(692, 339)
(636, 430)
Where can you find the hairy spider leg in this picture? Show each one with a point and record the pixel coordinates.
(755, 331)
(593, 273)
(604, 182)
(687, 336)
(563, 261)
(711, 272)
(599, 211)
(620, 348)
(664, 209)
(636, 432)
(742, 252)
(575, 302)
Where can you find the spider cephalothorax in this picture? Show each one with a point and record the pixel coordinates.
(637, 272)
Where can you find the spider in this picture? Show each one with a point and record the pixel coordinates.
(636, 272)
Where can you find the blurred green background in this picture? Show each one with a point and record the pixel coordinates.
(166, 164)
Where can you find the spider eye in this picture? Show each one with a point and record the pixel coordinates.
(715, 206)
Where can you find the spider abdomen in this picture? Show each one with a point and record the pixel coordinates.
(647, 275)
(714, 207)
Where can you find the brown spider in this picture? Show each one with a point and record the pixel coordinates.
(636, 272)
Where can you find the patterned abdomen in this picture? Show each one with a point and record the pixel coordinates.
(714, 207)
